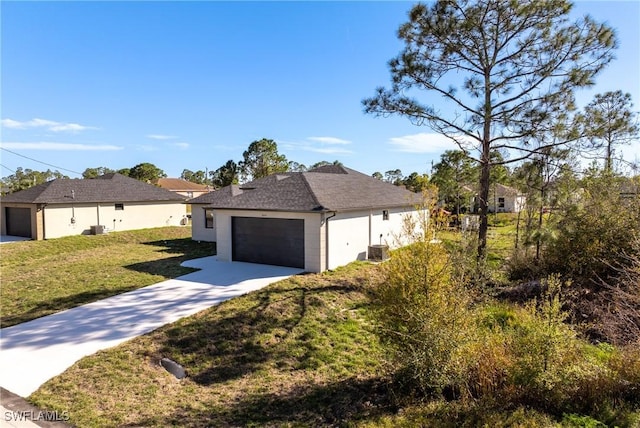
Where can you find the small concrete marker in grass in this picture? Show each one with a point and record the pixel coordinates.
(174, 368)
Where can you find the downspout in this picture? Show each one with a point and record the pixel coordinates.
(44, 223)
(370, 227)
(326, 239)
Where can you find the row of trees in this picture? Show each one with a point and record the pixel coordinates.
(145, 171)
(259, 160)
(24, 178)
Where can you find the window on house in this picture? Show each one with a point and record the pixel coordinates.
(500, 202)
(209, 219)
(119, 207)
(385, 214)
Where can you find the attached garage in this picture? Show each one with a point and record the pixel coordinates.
(272, 241)
(18, 221)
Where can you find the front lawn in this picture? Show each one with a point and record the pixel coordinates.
(298, 352)
(43, 277)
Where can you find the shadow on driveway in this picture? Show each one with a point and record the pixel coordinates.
(35, 351)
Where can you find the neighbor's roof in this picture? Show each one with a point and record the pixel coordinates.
(499, 189)
(106, 188)
(326, 188)
(180, 185)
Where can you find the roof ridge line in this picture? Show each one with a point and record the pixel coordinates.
(313, 195)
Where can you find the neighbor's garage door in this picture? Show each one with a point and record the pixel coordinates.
(271, 241)
(18, 221)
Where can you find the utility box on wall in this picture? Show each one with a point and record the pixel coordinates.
(378, 252)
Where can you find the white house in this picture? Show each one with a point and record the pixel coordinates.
(502, 199)
(505, 199)
(315, 220)
(111, 202)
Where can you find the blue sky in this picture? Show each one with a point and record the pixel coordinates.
(189, 85)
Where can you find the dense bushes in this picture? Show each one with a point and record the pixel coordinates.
(594, 230)
(596, 246)
(497, 356)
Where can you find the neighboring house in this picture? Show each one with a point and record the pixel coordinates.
(502, 199)
(505, 199)
(183, 187)
(111, 202)
(315, 220)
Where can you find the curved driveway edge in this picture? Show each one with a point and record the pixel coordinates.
(35, 351)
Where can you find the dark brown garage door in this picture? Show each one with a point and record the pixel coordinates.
(270, 241)
(18, 221)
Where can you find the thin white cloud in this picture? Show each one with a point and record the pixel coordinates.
(423, 142)
(49, 125)
(182, 146)
(328, 150)
(329, 140)
(59, 146)
(13, 124)
(326, 145)
(146, 147)
(161, 137)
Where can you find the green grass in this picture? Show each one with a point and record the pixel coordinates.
(500, 241)
(299, 352)
(43, 277)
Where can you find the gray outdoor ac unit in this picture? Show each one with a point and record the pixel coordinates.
(378, 252)
(98, 229)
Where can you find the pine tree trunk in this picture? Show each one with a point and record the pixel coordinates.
(484, 203)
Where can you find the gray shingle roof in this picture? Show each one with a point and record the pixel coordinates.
(106, 188)
(327, 188)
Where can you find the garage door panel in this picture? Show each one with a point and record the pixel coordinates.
(18, 221)
(273, 241)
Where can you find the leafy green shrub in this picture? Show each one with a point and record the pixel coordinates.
(581, 421)
(424, 317)
(529, 356)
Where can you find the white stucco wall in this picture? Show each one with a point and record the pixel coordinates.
(198, 230)
(348, 238)
(135, 215)
(512, 204)
(312, 241)
(351, 233)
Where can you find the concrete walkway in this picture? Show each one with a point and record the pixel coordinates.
(33, 352)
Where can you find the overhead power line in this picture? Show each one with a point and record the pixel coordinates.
(43, 163)
(6, 167)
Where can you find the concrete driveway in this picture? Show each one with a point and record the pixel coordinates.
(33, 352)
(7, 239)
